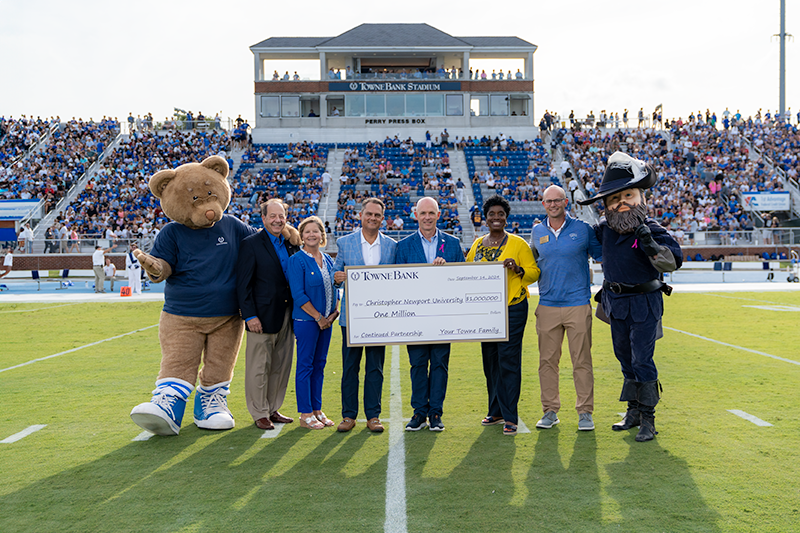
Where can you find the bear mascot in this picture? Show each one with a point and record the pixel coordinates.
(196, 255)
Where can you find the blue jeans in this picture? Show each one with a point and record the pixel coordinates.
(312, 354)
(428, 388)
(502, 366)
(373, 378)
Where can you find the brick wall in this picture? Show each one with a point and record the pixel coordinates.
(62, 261)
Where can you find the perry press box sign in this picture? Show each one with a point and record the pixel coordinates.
(425, 304)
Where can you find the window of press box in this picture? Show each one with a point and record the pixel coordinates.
(395, 105)
(354, 104)
(290, 106)
(479, 105)
(337, 102)
(376, 105)
(415, 105)
(270, 106)
(309, 106)
(434, 105)
(499, 105)
(455, 105)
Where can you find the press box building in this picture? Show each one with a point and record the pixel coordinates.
(393, 79)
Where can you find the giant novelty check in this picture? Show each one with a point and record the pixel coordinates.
(426, 304)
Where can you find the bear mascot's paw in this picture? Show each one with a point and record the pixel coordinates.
(163, 414)
(211, 407)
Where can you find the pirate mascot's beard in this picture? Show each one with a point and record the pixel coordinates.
(626, 221)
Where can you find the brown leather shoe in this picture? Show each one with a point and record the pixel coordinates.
(264, 423)
(346, 425)
(280, 419)
(374, 425)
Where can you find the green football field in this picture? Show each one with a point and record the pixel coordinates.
(708, 469)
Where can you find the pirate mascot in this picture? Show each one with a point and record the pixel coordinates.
(636, 251)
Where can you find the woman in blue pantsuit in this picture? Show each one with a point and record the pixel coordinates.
(313, 312)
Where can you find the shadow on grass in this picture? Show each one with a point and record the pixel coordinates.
(655, 491)
(475, 494)
(206, 481)
(567, 498)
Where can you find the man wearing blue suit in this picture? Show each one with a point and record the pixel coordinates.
(366, 246)
(428, 245)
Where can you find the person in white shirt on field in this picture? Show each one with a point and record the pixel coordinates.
(134, 270)
(8, 263)
(98, 265)
(110, 271)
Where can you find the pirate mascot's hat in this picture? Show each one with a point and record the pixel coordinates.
(623, 172)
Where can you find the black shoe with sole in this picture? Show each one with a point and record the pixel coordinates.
(416, 423)
(435, 423)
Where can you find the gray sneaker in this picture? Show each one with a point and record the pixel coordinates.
(585, 422)
(549, 420)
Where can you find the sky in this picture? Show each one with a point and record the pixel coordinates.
(89, 58)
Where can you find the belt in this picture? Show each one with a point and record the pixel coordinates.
(625, 288)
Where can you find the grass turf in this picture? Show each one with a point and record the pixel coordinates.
(708, 470)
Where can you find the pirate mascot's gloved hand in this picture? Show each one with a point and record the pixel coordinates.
(645, 238)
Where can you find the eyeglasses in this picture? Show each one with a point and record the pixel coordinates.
(554, 201)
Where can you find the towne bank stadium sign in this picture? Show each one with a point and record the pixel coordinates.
(395, 86)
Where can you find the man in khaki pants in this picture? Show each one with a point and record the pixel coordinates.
(562, 246)
(265, 301)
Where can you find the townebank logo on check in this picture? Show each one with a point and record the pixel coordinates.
(410, 304)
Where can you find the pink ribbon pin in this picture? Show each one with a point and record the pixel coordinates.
(635, 243)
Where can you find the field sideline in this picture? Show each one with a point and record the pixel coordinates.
(708, 469)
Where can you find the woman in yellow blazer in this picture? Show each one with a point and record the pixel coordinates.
(502, 361)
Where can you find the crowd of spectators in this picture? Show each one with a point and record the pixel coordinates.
(394, 170)
(291, 172)
(700, 167)
(48, 174)
(118, 200)
(514, 170)
(18, 135)
(391, 73)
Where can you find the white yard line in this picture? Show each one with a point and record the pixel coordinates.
(272, 433)
(22, 434)
(521, 427)
(396, 469)
(745, 299)
(76, 349)
(143, 436)
(734, 346)
(750, 418)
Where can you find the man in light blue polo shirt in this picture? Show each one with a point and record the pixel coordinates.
(562, 246)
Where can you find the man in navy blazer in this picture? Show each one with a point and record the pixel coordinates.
(265, 302)
(428, 388)
(365, 246)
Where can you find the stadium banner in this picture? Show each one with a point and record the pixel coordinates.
(426, 304)
(394, 86)
(767, 201)
(16, 209)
